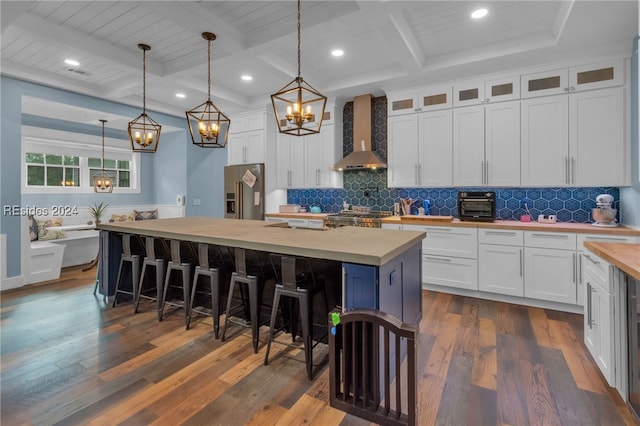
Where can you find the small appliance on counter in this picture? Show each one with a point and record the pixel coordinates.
(604, 214)
(477, 206)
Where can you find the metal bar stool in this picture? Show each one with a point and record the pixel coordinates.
(130, 256)
(181, 256)
(157, 254)
(295, 280)
(211, 265)
(253, 275)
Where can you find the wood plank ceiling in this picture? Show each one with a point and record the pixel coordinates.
(387, 44)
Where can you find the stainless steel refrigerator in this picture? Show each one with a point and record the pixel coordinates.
(244, 191)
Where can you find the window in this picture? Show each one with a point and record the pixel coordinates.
(52, 170)
(63, 162)
(119, 169)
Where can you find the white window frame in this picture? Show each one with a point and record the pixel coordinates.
(48, 141)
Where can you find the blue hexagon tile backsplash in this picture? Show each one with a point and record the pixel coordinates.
(369, 187)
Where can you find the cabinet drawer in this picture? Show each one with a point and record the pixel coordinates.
(596, 266)
(397, 226)
(448, 241)
(450, 271)
(551, 240)
(316, 223)
(503, 237)
(603, 238)
(298, 223)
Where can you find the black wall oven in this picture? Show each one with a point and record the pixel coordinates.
(477, 206)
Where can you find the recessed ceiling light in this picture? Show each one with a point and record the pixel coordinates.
(337, 52)
(479, 13)
(246, 77)
(180, 95)
(72, 62)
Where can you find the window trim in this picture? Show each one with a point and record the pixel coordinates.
(39, 140)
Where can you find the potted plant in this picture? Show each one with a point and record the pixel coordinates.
(97, 210)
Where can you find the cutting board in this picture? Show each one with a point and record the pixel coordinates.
(427, 218)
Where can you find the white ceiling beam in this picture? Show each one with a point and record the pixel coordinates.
(386, 18)
(561, 19)
(217, 92)
(22, 72)
(43, 31)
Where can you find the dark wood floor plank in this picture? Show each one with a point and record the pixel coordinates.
(456, 390)
(479, 362)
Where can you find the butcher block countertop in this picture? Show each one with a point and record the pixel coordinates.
(625, 257)
(585, 228)
(367, 246)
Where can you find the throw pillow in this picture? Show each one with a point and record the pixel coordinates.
(33, 229)
(44, 234)
(146, 214)
(122, 217)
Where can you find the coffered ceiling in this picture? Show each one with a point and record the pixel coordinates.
(387, 44)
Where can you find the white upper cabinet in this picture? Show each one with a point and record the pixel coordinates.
(419, 100)
(574, 140)
(322, 151)
(481, 91)
(486, 145)
(305, 161)
(574, 79)
(420, 150)
(247, 138)
(596, 138)
(544, 131)
(290, 161)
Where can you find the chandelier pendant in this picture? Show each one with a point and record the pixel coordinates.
(208, 126)
(298, 107)
(144, 132)
(103, 180)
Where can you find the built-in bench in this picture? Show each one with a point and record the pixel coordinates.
(78, 245)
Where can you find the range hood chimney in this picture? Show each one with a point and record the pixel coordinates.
(362, 157)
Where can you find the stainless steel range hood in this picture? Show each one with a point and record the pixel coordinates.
(362, 157)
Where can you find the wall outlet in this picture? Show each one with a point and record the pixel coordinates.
(547, 218)
(526, 203)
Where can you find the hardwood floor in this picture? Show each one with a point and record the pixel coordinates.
(67, 358)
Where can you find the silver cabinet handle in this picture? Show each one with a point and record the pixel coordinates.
(580, 270)
(571, 89)
(566, 165)
(500, 232)
(419, 174)
(438, 259)
(549, 236)
(591, 259)
(415, 174)
(573, 170)
(575, 267)
(482, 171)
(521, 261)
(589, 315)
(594, 291)
(486, 173)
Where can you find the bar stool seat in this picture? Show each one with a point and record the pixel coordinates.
(156, 258)
(248, 277)
(211, 266)
(295, 280)
(182, 255)
(132, 252)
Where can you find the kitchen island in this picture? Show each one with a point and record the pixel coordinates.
(382, 268)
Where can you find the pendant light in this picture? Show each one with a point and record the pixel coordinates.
(298, 107)
(103, 181)
(144, 132)
(209, 127)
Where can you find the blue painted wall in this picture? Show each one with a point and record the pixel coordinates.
(179, 167)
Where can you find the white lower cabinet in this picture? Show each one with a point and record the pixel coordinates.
(550, 274)
(599, 321)
(449, 256)
(450, 271)
(501, 266)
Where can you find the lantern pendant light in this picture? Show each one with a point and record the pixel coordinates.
(103, 181)
(144, 132)
(209, 127)
(298, 107)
